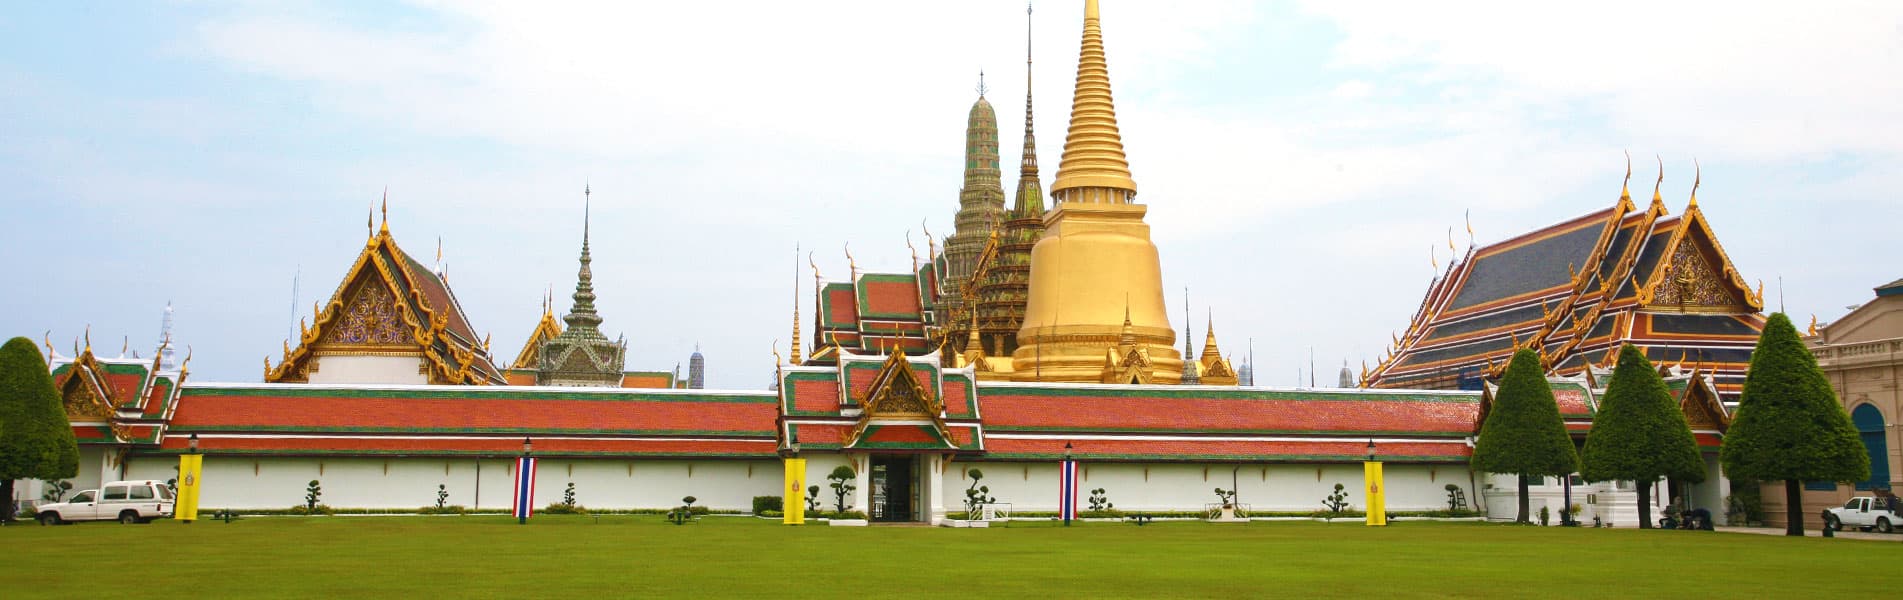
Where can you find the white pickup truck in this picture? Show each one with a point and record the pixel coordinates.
(1865, 513)
(126, 501)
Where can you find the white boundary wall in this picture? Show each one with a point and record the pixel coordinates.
(1031, 486)
(248, 482)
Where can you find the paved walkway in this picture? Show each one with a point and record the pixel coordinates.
(1814, 532)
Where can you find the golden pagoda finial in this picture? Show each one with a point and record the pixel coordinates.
(911, 248)
(796, 306)
(1625, 187)
(815, 266)
(1658, 202)
(1698, 174)
(1094, 168)
(89, 338)
(1469, 217)
(850, 263)
(931, 244)
(385, 227)
(1813, 325)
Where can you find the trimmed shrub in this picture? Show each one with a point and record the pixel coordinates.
(36, 440)
(1523, 434)
(1789, 424)
(1639, 433)
(764, 504)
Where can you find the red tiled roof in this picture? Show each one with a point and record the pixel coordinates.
(499, 445)
(1193, 449)
(954, 397)
(811, 395)
(890, 297)
(465, 410)
(1009, 408)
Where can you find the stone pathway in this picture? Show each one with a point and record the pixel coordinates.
(1814, 532)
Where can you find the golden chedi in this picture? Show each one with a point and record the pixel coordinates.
(1095, 263)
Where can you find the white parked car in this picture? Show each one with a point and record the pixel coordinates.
(1864, 512)
(127, 501)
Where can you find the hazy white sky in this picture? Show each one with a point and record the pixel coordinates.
(1300, 160)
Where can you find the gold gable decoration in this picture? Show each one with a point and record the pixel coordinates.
(1697, 276)
(86, 397)
(371, 318)
(366, 316)
(897, 395)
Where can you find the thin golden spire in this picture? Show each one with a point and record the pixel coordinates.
(1658, 202)
(385, 227)
(1625, 187)
(1094, 168)
(796, 302)
(1698, 174)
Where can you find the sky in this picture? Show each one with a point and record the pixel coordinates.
(1300, 160)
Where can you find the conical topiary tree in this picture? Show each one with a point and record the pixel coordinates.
(1523, 434)
(1640, 433)
(1790, 425)
(36, 441)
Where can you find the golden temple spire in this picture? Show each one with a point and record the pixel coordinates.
(385, 227)
(1625, 187)
(1658, 202)
(1698, 174)
(1094, 168)
(1209, 339)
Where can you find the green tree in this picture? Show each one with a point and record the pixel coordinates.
(36, 441)
(1523, 434)
(1640, 434)
(1790, 425)
(842, 478)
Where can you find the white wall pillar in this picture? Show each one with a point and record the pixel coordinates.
(862, 482)
(929, 493)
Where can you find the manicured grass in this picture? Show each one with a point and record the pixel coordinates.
(624, 556)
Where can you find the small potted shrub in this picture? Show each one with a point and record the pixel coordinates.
(976, 497)
(1335, 502)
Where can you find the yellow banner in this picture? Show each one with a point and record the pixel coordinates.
(793, 508)
(1377, 494)
(190, 476)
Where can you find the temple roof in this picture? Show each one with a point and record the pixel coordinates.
(1576, 291)
(437, 420)
(390, 302)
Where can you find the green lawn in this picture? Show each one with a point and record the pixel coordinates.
(622, 556)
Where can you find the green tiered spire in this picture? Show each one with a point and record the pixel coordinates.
(581, 356)
(1007, 286)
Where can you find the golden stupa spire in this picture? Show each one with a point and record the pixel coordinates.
(1094, 168)
(1210, 351)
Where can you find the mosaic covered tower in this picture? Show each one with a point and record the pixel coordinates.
(581, 356)
(1095, 263)
(1007, 279)
(980, 207)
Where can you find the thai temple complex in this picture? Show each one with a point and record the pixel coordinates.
(1037, 329)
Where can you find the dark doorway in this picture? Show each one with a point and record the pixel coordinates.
(893, 488)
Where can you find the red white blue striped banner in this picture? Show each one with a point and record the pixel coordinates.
(524, 487)
(1067, 490)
